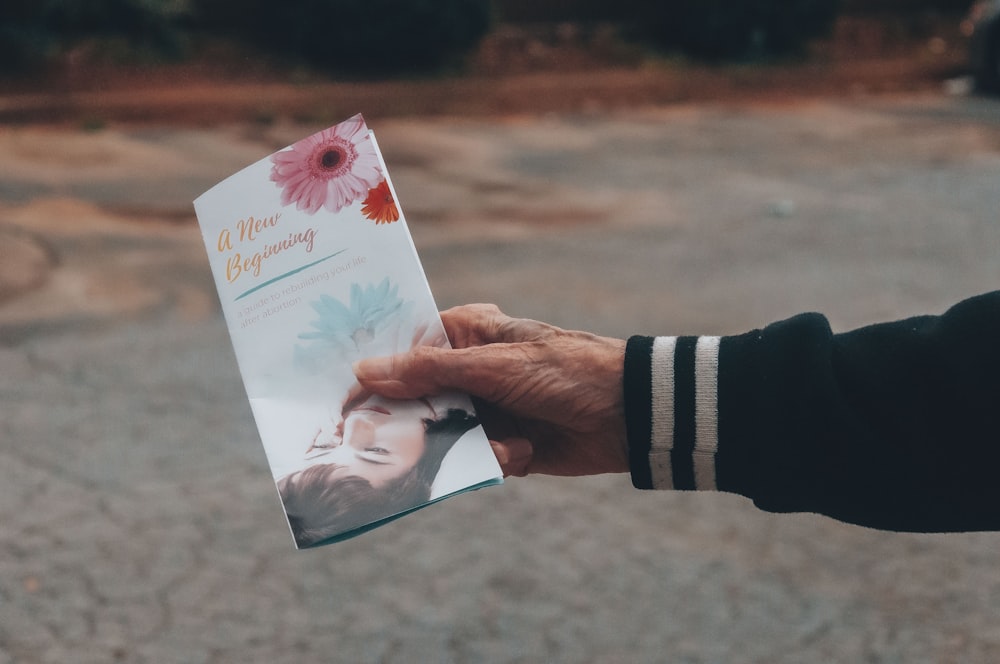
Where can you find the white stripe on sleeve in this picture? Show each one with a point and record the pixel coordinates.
(706, 397)
(662, 388)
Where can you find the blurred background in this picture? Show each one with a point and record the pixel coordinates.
(675, 167)
(320, 57)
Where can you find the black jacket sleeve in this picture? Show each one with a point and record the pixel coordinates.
(894, 426)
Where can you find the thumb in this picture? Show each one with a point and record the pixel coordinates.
(420, 372)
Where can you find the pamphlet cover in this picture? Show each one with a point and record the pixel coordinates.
(315, 269)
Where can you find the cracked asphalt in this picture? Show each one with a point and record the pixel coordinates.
(140, 523)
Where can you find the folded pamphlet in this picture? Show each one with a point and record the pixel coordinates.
(316, 269)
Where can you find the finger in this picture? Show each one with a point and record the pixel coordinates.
(481, 324)
(397, 376)
(472, 324)
(514, 455)
(487, 372)
(356, 393)
(428, 335)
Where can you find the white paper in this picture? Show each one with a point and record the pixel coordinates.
(315, 269)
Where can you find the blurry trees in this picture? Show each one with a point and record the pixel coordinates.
(952, 7)
(402, 36)
(388, 36)
(32, 31)
(722, 29)
(716, 29)
(365, 36)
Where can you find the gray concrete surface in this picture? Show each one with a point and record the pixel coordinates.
(140, 523)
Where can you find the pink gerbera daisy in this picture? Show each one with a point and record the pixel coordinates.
(331, 169)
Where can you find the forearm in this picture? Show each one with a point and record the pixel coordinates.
(895, 426)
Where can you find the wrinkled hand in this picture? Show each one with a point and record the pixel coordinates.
(549, 399)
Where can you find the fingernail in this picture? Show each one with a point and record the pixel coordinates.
(500, 452)
(373, 368)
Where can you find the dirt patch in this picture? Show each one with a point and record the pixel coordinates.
(25, 263)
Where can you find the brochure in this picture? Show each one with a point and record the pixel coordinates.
(315, 269)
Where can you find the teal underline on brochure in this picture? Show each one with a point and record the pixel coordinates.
(286, 275)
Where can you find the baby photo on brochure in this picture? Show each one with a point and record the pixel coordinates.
(315, 270)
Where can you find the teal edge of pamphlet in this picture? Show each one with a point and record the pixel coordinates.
(361, 530)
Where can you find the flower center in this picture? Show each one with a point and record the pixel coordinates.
(363, 335)
(331, 158)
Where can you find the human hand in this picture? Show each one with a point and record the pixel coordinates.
(549, 399)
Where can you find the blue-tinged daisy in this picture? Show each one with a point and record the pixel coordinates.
(372, 313)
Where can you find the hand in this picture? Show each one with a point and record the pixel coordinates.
(549, 399)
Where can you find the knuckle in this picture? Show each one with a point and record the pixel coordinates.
(418, 358)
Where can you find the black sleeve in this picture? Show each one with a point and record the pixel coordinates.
(894, 426)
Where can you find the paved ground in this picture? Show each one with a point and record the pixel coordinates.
(140, 523)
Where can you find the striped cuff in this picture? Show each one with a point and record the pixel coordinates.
(672, 411)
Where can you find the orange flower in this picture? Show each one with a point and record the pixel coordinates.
(379, 206)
